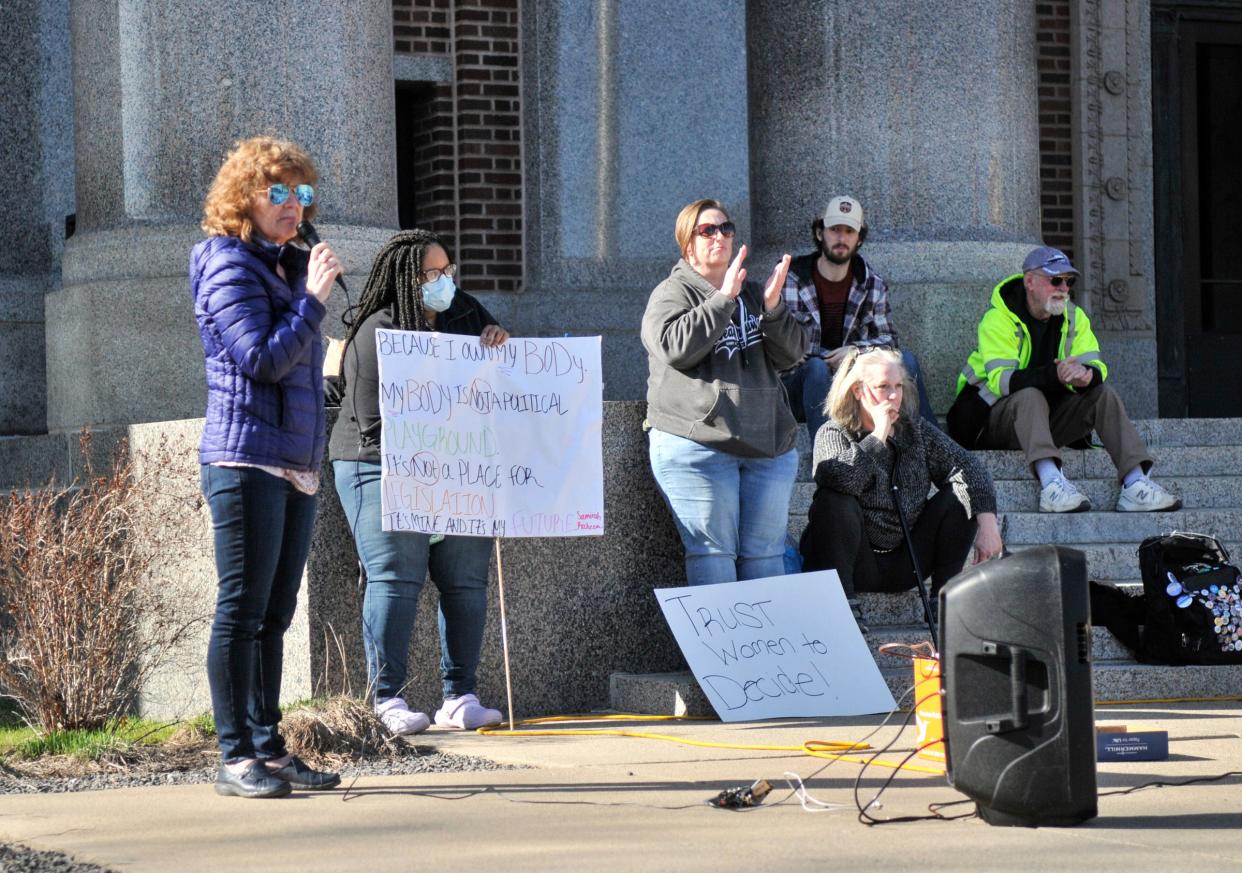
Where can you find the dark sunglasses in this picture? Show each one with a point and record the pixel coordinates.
(1069, 281)
(280, 192)
(707, 231)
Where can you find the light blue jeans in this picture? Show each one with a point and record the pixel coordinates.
(397, 564)
(731, 512)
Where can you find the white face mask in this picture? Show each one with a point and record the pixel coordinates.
(438, 295)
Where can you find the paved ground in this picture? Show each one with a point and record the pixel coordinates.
(616, 804)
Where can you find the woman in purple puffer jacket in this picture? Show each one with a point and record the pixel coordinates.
(259, 302)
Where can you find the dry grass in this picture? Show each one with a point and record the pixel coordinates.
(325, 733)
(339, 730)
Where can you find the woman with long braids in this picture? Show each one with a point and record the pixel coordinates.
(410, 288)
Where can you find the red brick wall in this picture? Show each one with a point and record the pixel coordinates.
(420, 27)
(468, 140)
(1056, 164)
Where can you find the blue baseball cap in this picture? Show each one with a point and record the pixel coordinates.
(1049, 261)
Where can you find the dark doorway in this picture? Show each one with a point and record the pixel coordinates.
(412, 109)
(1197, 125)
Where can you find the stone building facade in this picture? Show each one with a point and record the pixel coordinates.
(553, 141)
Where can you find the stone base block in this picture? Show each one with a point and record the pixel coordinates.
(126, 348)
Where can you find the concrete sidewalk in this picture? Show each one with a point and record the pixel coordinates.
(616, 804)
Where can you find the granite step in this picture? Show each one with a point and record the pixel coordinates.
(1199, 492)
(1022, 495)
(1200, 460)
(1164, 436)
(1104, 646)
(1084, 530)
(1112, 681)
(1080, 464)
(905, 610)
(1115, 527)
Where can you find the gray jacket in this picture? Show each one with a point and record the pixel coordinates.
(713, 374)
(863, 467)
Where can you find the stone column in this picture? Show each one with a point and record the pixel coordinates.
(928, 115)
(634, 109)
(162, 91)
(36, 165)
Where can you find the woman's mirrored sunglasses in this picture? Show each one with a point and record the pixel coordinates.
(707, 231)
(280, 192)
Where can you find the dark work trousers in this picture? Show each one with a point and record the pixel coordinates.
(835, 539)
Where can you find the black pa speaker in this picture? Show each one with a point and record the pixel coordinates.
(1015, 654)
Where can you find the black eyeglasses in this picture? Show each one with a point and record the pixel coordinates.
(707, 231)
(429, 276)
(1069, 281)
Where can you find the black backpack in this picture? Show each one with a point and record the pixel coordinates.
(1193, 597)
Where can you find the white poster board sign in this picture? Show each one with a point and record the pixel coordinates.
(777, 647)
(491, 442)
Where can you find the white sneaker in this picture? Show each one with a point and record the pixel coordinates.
(1144, 495)
(466, 713)
(400, 719)
(1060, 495)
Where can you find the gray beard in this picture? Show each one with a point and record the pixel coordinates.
(1055, 307)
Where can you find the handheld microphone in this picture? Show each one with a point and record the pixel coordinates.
(307, 232)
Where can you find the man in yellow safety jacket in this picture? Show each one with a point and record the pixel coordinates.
(1035, 382)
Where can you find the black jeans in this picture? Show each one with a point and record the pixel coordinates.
(835, 539)
(262, 528)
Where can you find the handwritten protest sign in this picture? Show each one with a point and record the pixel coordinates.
(491, 442)
(777, 647)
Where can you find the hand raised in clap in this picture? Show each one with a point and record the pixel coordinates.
(776, 283)
(734, 276)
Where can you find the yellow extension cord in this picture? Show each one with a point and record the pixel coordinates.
(828, 749)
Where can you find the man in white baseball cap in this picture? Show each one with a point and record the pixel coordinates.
(843, 304)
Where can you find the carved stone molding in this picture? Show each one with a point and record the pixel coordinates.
(1112, 102)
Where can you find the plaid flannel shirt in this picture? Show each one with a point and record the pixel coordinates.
(868, 317)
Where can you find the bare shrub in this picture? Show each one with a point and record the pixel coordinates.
(82, 625)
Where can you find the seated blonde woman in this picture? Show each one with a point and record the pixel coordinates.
(873, 438)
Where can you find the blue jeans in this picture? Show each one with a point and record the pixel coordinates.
(808, 385)
(396, 565)
(731, 512)
(911, 364)
(262, 527)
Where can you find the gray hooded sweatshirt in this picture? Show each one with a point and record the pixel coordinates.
(715, 363)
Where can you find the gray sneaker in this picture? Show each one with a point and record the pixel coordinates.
(1060, 495)
(1144, 495)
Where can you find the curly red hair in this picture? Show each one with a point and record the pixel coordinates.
(253, 164)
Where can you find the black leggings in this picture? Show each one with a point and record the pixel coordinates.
(835, 539)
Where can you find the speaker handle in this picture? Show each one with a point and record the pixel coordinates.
(1018, 701)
